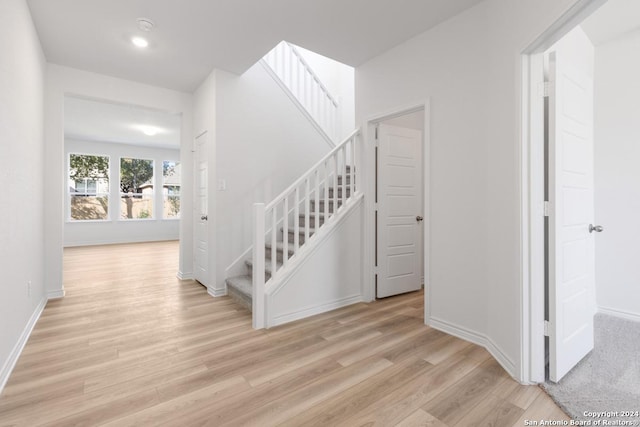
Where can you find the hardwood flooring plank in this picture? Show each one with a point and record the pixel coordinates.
(420, 418)
(455, 402)
(132, 345)
(491, 412)
(277, 412)
(402, 402)
(360, 396)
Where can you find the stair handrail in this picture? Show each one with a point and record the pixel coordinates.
(306, 65)
(306, 175)
(294, 74)
(341, 162)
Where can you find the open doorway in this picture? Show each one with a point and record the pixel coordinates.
(580, 106)
(122, 174)
(400, 211)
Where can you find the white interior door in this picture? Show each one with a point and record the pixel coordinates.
(400, 229)
(200, 220)
(571, 244)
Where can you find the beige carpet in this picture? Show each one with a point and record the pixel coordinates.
(608, 379)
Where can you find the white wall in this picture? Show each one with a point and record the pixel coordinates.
(22, 66)
(339, 79)
(617, 172)
(63, 80)
(262, 144)
(337, 257)
(470, 68)
(114, 230)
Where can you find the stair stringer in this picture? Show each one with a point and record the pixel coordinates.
(325, 274)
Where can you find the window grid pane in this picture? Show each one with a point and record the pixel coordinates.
(171, 189)
(136, 188)
(88, 187)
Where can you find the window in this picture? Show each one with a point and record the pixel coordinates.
(171, 189)
(88, 187)
(136, 188)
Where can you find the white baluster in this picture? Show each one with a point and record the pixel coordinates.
(335, 183)
(296, 221)
(285, 232)
(274, 238)
(352, 180)
(283, 64)
(316, 194)
(325, 211)
(344, 174)
(306, 210)
(258, 266)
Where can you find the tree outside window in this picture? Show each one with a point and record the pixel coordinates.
(88, 187)
(136, 188)
(171, 189)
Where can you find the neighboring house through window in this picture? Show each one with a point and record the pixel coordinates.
(136, 188)
(171, 189)
(88, 187)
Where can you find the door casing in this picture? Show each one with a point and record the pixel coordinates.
(369, 272)
(532, 232)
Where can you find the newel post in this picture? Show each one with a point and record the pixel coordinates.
(258, 266)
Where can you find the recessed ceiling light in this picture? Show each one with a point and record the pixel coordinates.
(140, 42)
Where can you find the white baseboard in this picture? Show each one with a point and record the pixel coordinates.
(478, 339)
(216, 293)
(55, 294)
(619, 313)
(121, 241)
(17, 349)
(184, 275)
(313, 310)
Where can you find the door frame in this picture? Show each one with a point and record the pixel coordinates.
(369, 184)
(211, 214)
(532, 163)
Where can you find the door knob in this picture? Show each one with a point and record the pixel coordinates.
(204, 217)
(596, 228)
(419, 218)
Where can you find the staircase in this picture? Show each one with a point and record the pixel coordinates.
(312, 211)
(294, 221)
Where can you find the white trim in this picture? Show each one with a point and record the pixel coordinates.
(216, 293)
(532, 364)
(181, 275)
(532, 359)
(622, 314)
(297, 103)
(368, 131)
(478, 339)
(5, 373)
(103, 242)
(57, 294)
(313, 310)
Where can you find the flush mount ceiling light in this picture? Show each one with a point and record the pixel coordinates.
(149, 130)
(139, 42)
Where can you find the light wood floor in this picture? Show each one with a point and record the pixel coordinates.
(132, 345)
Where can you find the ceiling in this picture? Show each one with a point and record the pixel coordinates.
(614, 19)
(90, 120)
(192, 37)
